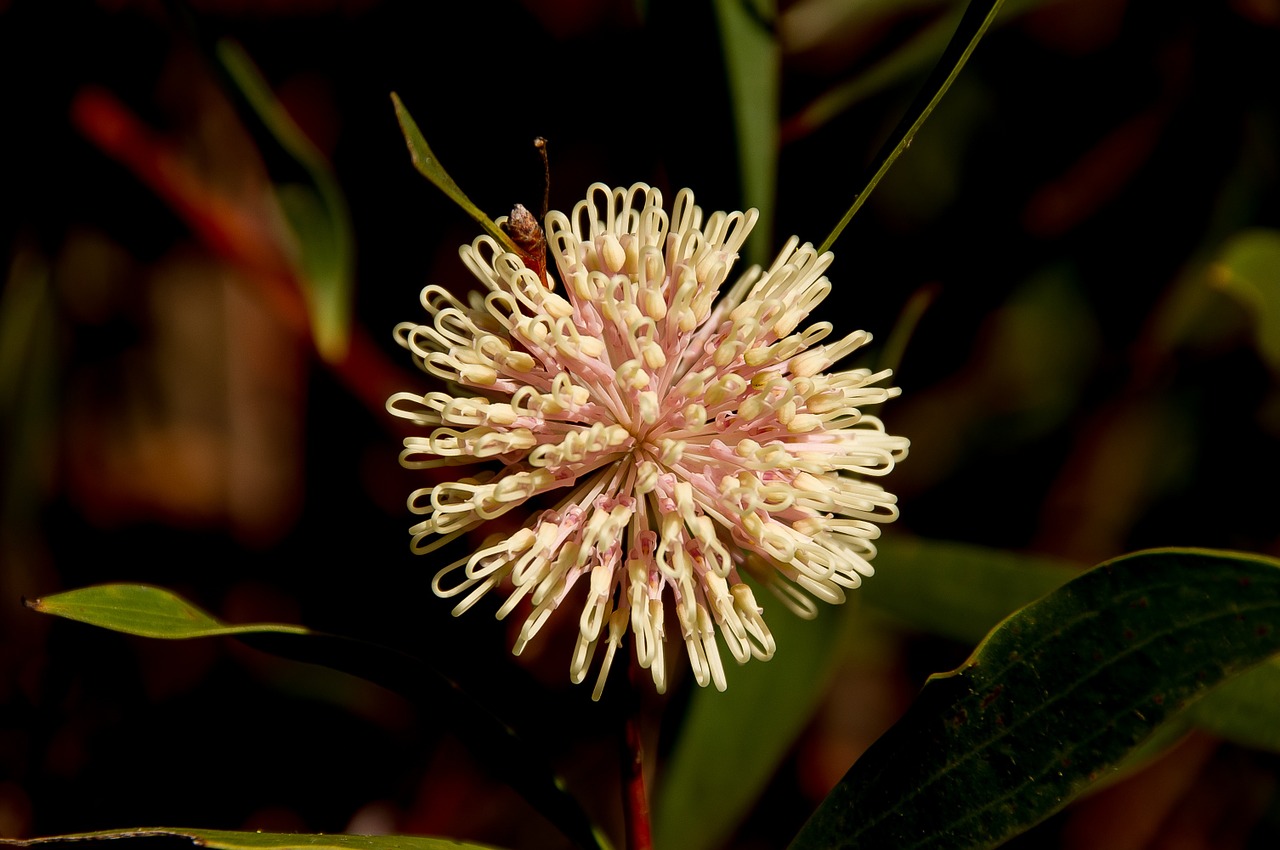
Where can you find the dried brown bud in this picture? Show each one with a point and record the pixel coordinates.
(529, 240)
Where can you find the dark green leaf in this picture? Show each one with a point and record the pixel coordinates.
(752, 63)
(424, 159)
(154, 612)
(973, 25)
(1055, 697)
(960, 591)
(316, 210)
(223, 840)
(730, 743)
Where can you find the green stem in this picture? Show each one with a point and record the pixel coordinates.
(977, 18)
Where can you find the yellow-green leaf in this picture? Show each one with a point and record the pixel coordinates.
(140, 609)
(217, 839)
(424, 159)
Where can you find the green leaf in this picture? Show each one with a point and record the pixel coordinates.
(316, 210)
(960, 591)
(1055, 697)
(1248, 269)
(139, 609)
(752, 62)
(424, 159)
(218, 839)
(154, 612)
(973, 25)
(731, 743)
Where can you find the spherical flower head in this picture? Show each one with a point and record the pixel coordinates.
(671, 441)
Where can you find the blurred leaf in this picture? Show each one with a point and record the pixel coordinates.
(1249, 270)
(154, 612)
(908, 58)
(28, 389)
(24, 323)
(752, 63)
(424, 159)
(956, 590)
(914, 54)
(218, 839)
(731, 743)
(317, 213)
(1057, 695)
(139, 609)
(977, 17)
(1245, 710)
(30, 383)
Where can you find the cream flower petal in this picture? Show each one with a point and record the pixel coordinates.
(684, 437)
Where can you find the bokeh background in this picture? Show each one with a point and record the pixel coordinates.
(1077, 253)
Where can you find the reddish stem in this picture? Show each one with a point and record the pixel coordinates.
(635, 799)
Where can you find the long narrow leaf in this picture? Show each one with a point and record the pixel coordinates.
(217, 839)
(725, 752)
(961, 591)
(315, 210)
(154, 612)
(428, 165)
(140, 609)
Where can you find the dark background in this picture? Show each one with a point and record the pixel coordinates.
(163, 424)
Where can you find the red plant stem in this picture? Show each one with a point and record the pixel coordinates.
(635, 800)
(238, 235)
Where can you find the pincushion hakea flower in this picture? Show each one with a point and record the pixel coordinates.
(675, 442)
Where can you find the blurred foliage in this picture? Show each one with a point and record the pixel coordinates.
(1090, 212)
(1249, 269)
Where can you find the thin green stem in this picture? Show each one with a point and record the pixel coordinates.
(973, 25)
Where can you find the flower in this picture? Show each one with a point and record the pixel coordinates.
(675, 441)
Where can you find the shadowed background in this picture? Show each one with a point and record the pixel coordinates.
(1085, 220)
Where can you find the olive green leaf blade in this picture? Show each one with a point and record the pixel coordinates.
(1053, 699)
(217, 839)
(428, 165)
(143, 610)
